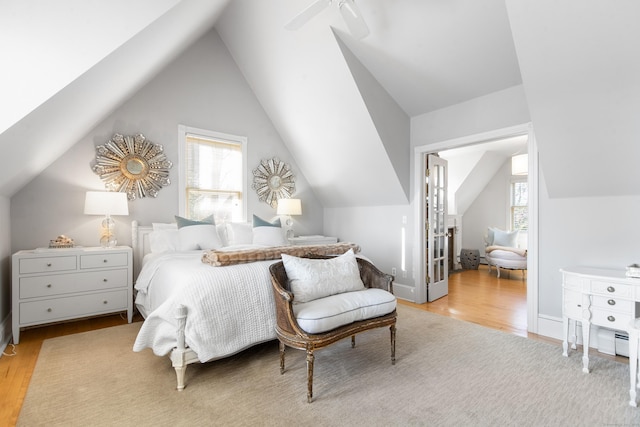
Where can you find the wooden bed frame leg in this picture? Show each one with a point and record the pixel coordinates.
(178, 354)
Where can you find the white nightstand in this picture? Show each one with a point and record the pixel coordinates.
(50, 285)
(313, 240)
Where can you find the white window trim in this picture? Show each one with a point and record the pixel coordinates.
(509, 199)
(183, 131)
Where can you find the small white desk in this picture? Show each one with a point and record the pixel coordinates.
(600, 297)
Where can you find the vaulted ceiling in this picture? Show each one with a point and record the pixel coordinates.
(342, 105)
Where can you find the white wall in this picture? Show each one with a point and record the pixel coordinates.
(378, 231)
(202, 88)
(5, 275)
(489, 209)
(590, 231)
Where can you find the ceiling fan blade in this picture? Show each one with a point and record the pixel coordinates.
(353, 18)
(312, 10)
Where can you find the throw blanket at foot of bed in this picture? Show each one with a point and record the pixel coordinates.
(218, 258)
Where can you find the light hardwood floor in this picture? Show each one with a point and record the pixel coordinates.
(474, 295)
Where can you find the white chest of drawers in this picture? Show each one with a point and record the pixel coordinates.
(62, 284)
(597, 297)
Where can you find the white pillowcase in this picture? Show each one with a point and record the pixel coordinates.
(164, 237)
(268, 236)
(239, 233)
(505, 238)
(164, 241)
(311, 279)
(200, 236)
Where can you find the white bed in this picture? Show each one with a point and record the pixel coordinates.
(195, 312)
(190, 313)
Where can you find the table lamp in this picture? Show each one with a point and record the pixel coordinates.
(106, 203)
(288, 207)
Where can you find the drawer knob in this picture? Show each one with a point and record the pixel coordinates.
(611, 302)
(49, 285)
(104, 280)
(611, 318)
(49, 310)
(48, 264)
(105, 261)
(104, 302)
(611, 289)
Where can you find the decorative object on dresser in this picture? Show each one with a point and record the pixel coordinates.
(602, 298)
(106, 203)
(322, 300)
(273, 180)
(132, 165)
(289, 207)
(61, 241)
(313, 240)
(51, 285)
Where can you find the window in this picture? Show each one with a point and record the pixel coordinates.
(519, 205)
(212, 175)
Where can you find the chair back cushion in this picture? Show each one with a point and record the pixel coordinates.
(310, 279)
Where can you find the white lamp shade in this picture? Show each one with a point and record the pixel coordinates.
(106, 203)
(289, 207)
(520, 164)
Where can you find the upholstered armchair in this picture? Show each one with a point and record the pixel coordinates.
(303, 324)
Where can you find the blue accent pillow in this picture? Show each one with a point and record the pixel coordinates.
(184, 222)
(259, 222)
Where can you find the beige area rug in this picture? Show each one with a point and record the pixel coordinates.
(448, 372)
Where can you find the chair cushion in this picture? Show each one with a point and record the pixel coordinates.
(325, 314)
(311, 279)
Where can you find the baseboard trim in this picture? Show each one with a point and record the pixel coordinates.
(5, 333)
(404, 292)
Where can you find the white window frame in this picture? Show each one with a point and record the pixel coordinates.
(183, 131)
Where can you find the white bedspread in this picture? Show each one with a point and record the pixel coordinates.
(228, 308)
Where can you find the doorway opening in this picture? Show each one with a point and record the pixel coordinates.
(526, 132)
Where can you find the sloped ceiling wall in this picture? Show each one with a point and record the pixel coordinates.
(306, 86)
(581, 73)
(40, 137)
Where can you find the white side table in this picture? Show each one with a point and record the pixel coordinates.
(313, 240)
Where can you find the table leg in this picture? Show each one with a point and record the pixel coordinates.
(586, 326)
(565, 336)
(633, 365)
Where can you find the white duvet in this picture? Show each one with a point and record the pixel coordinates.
(228, 308)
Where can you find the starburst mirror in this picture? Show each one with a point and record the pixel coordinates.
(273, 180)
(132, 165)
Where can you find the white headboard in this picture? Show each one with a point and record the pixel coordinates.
(141, 247)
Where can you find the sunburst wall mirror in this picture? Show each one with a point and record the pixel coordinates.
(133, 165)
(273, 180)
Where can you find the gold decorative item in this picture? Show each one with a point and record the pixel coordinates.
(61, 241)
(273, 180)
(132, 165)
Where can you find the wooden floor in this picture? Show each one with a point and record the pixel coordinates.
(16, 370)
(474, 295)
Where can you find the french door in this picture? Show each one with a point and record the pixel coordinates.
(436, 239)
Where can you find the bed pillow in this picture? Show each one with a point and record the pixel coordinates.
(194, 235)
(505, 238)
(311, 279)
(166, 240)
(267, 233)
(239, 233)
